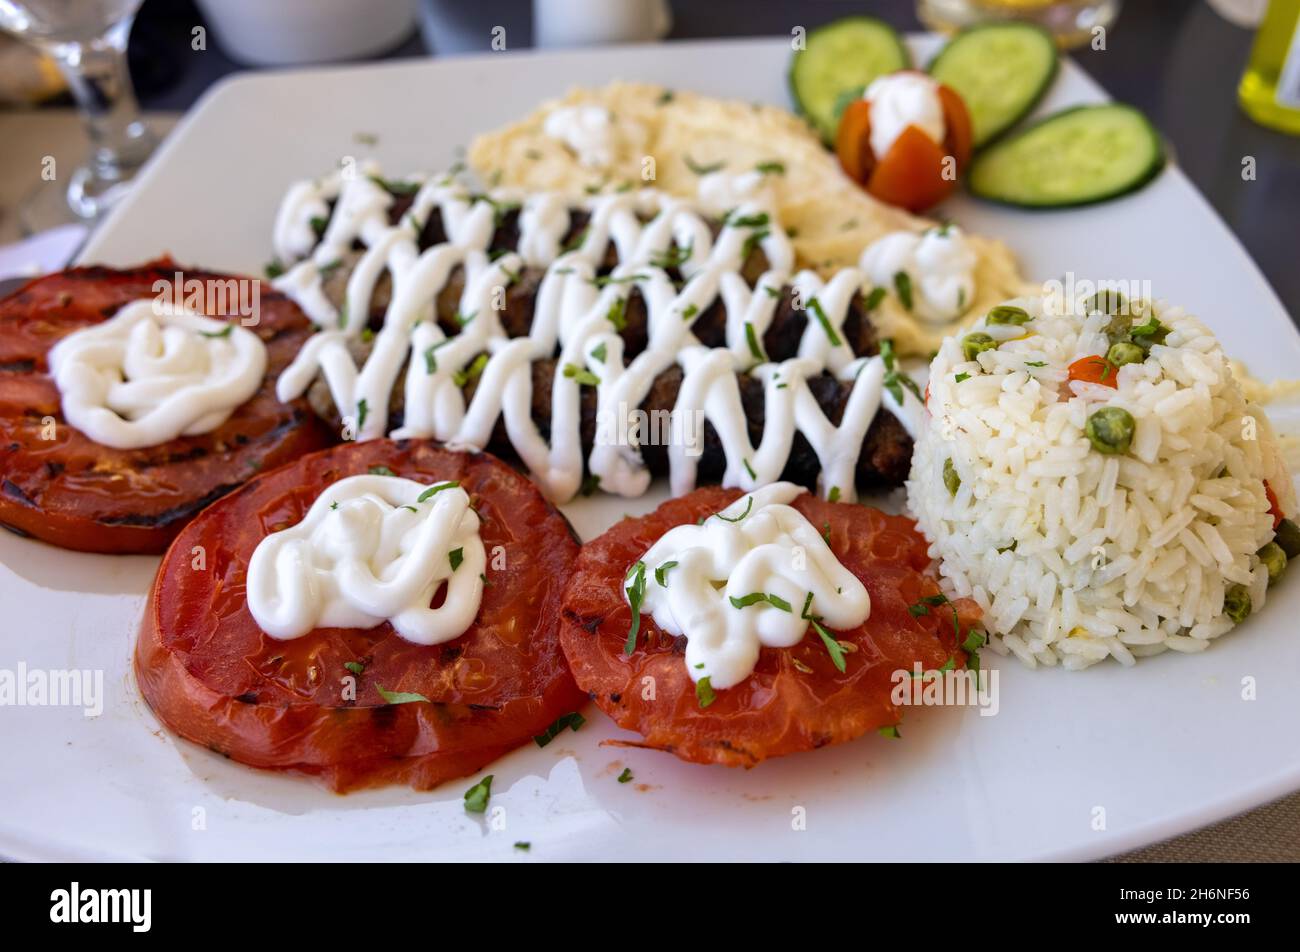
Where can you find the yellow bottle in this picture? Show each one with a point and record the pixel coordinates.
(1270, 87)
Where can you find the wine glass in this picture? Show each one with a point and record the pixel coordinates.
(87, 40)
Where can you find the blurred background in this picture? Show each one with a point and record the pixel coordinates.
(1181, 61)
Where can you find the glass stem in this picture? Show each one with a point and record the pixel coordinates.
(97, 75)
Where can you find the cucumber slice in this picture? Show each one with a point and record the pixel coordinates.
(842, 58)
(1076, 157)
(1000, 70)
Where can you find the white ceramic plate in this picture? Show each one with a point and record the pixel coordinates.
(1161, 748)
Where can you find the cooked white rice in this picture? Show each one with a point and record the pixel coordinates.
(1120, 556)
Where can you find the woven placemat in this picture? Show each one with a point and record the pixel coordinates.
(1267, 834)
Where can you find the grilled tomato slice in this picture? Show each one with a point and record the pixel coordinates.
(324, 704)
(796, 699)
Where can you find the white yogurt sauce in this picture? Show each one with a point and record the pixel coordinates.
(758, 544)
(577, 315)
(588, 131)
(903, 99)
(939, 262)
(368, 551)
(152, 373)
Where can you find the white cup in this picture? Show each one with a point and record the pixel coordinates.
(287, 32)
(561, 23)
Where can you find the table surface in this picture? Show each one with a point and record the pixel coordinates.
(1175, 59)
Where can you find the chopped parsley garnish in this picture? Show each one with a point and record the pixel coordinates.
(974, 642)
(815, 306)
(356, 667)
(456, 557)
(432, 490)
(665, 97)
(771, 167)
(618, 314)
(749, 505)
(464, 319)
(477, 796)
(499, 209)
(604, 280)
(224, 332)
(750, 469)
(700, 169)
(430, 361)
(318, 224)
(625, 776)
(600, 352)
(381, 471)
(1035, 363)
(367, 335)
(872, 300)
(924, 605)
(754, 598)
(903, 285)
(834, 494)
(759, 220)
(689, 311)
(751, 337)
(396, 188)
(400, 697)
(661, 573)
(343, 315)
(524, 846)
(894, 380)
(590, 484)
(960, 377)
(674, 256)
(635, 598)
(704, 692)
(362, 410)
(890, 731)
(833, 647)
(576, 241)
(581, 374)
(572, 721)
(461, 377)
(774, 293)
(752, 242)
(334, 504)
(273, 269)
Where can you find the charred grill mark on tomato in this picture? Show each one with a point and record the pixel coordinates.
(181, 513)
(81, 495)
